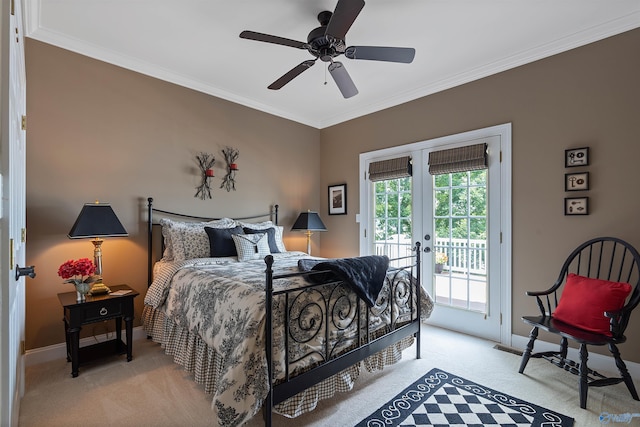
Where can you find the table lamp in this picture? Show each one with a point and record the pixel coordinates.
(308, 222)
(97, 220)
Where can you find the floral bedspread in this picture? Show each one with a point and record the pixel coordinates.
(221, 303)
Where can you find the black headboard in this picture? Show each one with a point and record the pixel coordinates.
(272, 215)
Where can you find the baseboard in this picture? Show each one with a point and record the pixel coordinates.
(59, 351)
(598, 362)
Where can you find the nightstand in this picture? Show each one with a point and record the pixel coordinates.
(97, 309)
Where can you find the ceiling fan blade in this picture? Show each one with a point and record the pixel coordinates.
(343, 16)
(381, 53)
(260, 37)
(291, 74)
(343, 79)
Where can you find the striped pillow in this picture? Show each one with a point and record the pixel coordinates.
(259, 226)
(251, 246)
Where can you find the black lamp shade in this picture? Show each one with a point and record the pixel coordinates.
(309, 221)
(97, 220)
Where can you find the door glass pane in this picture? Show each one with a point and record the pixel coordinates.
(460, 243)
(392, 219)
(459, 205)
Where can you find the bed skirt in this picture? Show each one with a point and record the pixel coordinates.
(189, 351)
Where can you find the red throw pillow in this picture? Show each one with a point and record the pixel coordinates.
(584, 301)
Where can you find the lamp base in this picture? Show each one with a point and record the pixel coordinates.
(99, 289)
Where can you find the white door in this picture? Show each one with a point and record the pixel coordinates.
(481, 304)
(12, 210)
(461, 238)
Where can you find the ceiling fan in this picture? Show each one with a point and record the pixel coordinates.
(328, 42)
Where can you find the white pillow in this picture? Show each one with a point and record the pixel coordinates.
(264, 225)
(167, 255)
(188, 240)
(251, 246)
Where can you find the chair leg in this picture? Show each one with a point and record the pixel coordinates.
(564, 346)
(584, 384)
(624, 373)
(527, 351)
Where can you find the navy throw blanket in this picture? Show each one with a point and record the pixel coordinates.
(364, 274)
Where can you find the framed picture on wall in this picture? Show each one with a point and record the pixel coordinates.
(576, 206)
(576, 157)
(576, 181)
(338, 199)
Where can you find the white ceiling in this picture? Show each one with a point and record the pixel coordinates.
(196, 44)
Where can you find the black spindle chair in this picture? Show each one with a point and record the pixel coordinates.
(604, 258)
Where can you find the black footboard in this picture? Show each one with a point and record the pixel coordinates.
(340, 321)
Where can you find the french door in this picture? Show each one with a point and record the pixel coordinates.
(461, 240)
(463, 222)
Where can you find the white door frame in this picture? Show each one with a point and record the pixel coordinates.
(415, 149)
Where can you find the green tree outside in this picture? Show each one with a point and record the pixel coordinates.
(460, 206)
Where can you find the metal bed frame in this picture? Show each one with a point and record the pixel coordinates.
(335, 310)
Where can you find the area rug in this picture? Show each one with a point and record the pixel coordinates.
(441, 399)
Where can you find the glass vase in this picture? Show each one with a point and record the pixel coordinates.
(82, 289)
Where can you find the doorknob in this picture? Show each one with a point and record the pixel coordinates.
(427, 249)
(25, 271)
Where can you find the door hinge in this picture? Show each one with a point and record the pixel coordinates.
(23, 348)
(23, 235)
(365, 233)
(11, 255)
(501, 237)
(500, 156)
(13, 7)
(500, 319)
(24, 122)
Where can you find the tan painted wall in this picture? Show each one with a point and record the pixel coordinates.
(97, 131)
(586, 97)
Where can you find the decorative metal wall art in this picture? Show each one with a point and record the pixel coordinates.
(230, 156)
(205, 163)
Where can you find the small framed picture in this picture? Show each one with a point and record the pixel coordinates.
(576, 206)
(338, 199)
(576, 181)
(576, 157)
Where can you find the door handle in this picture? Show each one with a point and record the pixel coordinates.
(427, 249)
(25, 271)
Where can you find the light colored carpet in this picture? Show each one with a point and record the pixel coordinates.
(152, 391)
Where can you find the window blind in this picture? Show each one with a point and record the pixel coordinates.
(390, 169)
(461, 159)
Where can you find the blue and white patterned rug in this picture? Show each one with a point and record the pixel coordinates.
(442, 399)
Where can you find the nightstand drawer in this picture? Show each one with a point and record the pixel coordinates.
(106, 310)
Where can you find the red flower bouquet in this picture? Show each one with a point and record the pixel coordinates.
(75, 271)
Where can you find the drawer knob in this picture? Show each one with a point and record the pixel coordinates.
(104, 311)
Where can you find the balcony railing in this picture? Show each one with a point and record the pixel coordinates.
(462, 255)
